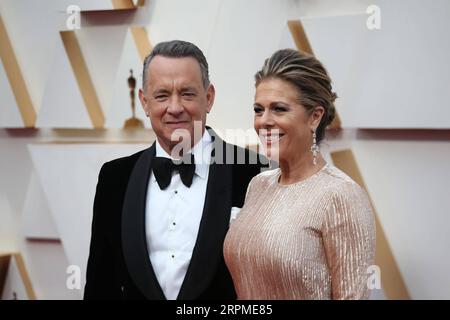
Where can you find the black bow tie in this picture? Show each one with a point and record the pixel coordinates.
(163, 168)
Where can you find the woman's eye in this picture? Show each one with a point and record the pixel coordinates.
(280, 109)
(257, 109)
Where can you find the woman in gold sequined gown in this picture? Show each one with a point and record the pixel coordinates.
(306, 230)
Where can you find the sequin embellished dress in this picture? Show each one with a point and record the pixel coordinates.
(313, 239)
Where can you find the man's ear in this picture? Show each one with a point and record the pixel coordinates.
(316, 117)
(144, 103)
(210, 95)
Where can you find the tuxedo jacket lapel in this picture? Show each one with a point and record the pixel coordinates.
(213, 227)
(134, 240)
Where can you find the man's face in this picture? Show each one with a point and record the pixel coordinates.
(175, 97)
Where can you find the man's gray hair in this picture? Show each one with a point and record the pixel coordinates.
(177, 49)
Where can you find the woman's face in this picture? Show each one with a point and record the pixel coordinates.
(282, 123)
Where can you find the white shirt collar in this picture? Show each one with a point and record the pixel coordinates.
(201, 151)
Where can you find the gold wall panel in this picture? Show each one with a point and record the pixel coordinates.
(5, 260)
(83, 78)
(16, 80)
(142, 42)
(126, 4)
(4, 264)
(302, 43)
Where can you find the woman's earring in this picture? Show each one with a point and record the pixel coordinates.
(314, 148)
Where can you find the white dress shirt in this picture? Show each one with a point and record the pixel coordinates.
(172, 219)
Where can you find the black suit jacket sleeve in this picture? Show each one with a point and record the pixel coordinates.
(100, 277)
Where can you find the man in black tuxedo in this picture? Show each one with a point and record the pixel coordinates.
(159, 225)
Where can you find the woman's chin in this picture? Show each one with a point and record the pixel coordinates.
(272, 152)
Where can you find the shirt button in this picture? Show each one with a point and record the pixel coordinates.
(176, 191)
(173, 256)
(174, 223)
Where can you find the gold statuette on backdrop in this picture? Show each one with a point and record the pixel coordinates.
(133, 122)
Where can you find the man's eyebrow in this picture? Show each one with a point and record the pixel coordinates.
(189, 88)
(160, 90)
